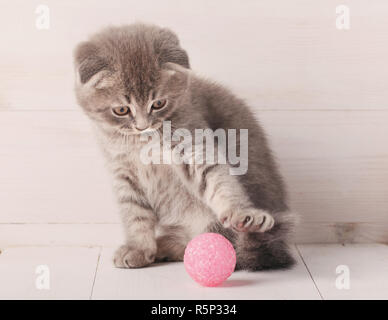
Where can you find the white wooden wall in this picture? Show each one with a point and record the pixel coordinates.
(321, 94)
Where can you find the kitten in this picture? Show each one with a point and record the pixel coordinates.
(129, 80)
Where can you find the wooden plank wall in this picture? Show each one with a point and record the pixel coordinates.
(321, 94)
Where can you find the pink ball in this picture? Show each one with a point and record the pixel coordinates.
(209, 259)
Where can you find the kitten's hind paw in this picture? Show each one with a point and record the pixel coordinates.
(129, 257)
(247, 220)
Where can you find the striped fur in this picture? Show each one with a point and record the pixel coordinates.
(163, 206)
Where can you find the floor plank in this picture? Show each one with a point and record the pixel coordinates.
(170, 281)
(367, 265)
(71, 272)
(51, 234)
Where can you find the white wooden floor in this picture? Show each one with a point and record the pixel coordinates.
(88, 273)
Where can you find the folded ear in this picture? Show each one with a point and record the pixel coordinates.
(176, 75)
(174, 67)
(89, 65)
(168, 49)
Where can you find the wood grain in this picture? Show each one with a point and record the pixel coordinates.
(51, 170)
(333, 161)
(319, 92)
(367, 266)
(70, 272)
(275, 54)
(111, 234)
(171, 281)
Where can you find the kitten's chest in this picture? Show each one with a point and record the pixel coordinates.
(156, 180)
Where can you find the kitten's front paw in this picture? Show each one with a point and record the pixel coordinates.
(130, 257)
(247, 220)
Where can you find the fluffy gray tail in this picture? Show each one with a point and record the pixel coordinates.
(268, 250)
(262, 251)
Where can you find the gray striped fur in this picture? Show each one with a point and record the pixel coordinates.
(164, 206)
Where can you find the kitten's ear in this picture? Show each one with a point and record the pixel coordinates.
(91, 69)
(173, 68)
(177, 75)
(168, 49)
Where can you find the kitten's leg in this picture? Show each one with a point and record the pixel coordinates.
(138, 220)
(171, 248)
(224, 194)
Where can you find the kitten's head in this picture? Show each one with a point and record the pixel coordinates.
(129, 79)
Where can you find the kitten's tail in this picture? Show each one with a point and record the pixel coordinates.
(268, 250)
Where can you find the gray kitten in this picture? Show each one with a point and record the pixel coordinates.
(129, 80)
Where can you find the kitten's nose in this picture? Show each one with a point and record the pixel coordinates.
(141, 128)
(141, 122)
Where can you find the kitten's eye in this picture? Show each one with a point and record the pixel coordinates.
(159, 104)
(120, 111)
